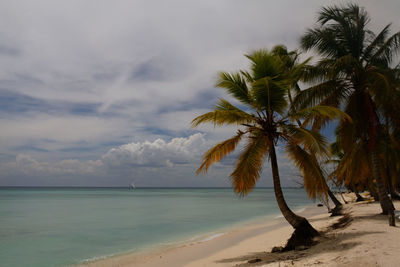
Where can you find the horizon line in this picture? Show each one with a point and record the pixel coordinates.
(140, 187)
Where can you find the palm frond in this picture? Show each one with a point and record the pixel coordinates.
(313, 174)
(332, 89)
(222, 117)
(235, 85)
(247, 75)
(344, 64)
(265, 64)
(348, 132)
(249, 165)
(341, 32)
(323, 40)
(270, 94)
(313, 141)
(346, 135)
(224, 113)
(355, 167)
(225, 105)
(219, 151)
(319, 115)
(314, 74)
(385, 54)
(377, 42)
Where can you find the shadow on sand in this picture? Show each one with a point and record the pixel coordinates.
(329, 240)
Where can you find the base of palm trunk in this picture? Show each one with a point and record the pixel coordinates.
(391, 219)
(337, 211)
(389, 211)
(303, 236)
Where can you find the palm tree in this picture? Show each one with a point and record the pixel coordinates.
(354, 73)
(264, 120)
(391, 129)
(392, 158)
(314, 184)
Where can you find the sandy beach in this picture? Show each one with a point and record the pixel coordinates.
(365, 240)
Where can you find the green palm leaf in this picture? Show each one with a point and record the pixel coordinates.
(236, 85)
(331, 91)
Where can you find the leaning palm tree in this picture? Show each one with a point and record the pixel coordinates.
(354, 73)
(314, 184)
(264, 120)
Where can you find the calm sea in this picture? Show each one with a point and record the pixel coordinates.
(66, 226)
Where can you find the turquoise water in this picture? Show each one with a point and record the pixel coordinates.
(61, 227)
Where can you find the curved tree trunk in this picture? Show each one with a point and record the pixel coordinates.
(334, 199)
(386, 203)
(336, 211)
(304, 232)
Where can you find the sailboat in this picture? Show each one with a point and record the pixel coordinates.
(132, 186)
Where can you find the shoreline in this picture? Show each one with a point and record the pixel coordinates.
(179, 253)
(364, 239)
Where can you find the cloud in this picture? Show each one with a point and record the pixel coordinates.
(150, 163)
(9, 51)
(157, 153)
(29, 165)
(84, 79)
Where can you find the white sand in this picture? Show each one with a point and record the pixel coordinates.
(366, 241)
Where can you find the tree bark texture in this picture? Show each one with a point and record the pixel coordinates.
(386, 203)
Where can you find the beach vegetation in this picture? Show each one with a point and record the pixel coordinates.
(264, 118)
(316, 184)
(355, 73)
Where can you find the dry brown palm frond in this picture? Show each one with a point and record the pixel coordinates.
(219, 151)
(313, 174)
(249, 165)
(312, 141)
(224, 113)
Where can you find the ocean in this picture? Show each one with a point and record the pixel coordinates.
(67, 226)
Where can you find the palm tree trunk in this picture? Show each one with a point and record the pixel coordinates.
(337, 210)
(334, 199)
(373, 124)
(293, 219)
(386, 203)
(304, 232)
(392, 192)
(373, 192)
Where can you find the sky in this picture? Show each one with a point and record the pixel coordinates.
(102, 93)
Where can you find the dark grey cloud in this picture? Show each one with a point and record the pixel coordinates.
(14, 103)
(9, 51)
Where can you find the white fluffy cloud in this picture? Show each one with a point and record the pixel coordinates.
(158, 153)
(149, 163)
